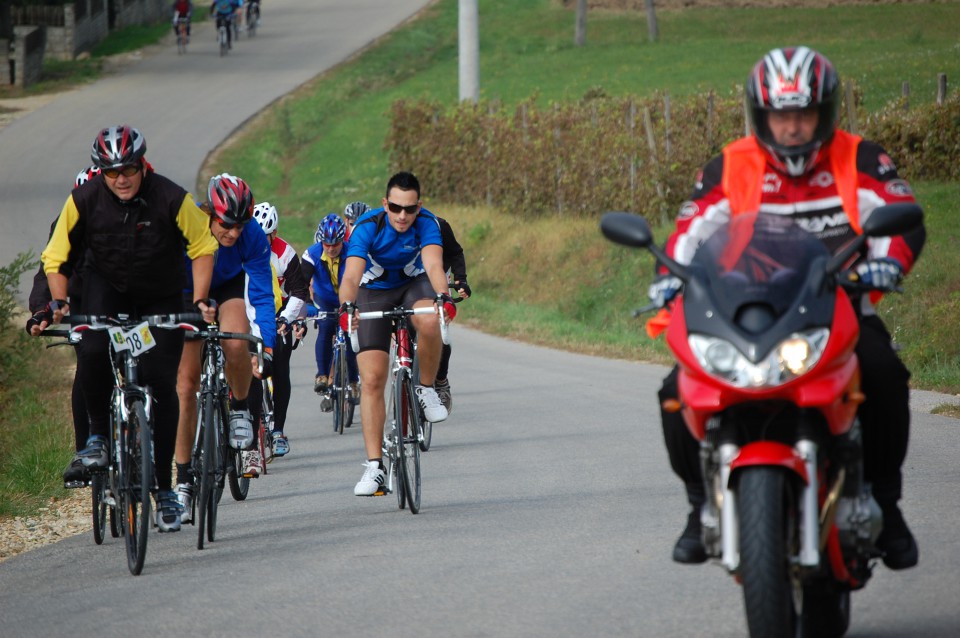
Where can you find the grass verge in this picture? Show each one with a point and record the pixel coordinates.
(565, 286)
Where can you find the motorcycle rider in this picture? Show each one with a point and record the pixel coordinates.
(798, 163)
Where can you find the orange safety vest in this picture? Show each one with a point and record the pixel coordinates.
(744, 164)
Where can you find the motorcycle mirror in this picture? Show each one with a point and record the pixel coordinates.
(893, 219)
(632, 230)
(626, 229)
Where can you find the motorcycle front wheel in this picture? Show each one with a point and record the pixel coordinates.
(767, 512)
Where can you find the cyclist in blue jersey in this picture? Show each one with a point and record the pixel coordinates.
(225, 12)
(323, 264)
(242, 261)
(394, 257)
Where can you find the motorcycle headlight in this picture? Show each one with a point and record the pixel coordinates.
(792, 357)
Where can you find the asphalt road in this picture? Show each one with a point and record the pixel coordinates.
(548, 504)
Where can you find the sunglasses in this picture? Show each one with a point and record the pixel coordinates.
(397, 208)
(126, 171)
(228, 225)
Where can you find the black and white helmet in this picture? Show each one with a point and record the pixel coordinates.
(791, 79)
(266, 215)
(353, 211)
(118, 146)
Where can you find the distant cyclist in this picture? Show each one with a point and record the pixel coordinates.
(225, 12)
(323, 265)
(182, 10)
(351, 214)
(294, 292)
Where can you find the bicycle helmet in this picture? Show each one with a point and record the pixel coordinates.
(118, 146)
(86, 175)
(792, 79)
(330, 230)
(229, 199)
(353, 211)
(266, 215)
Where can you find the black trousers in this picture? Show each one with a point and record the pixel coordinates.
(158, 366)
(281, 388)
(884, 416)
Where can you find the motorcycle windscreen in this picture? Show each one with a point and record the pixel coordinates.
(757, 261)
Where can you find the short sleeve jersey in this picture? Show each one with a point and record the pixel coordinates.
(393, 258)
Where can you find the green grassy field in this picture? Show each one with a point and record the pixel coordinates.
(569, 288)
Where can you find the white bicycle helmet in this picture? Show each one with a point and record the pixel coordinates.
(266, 215)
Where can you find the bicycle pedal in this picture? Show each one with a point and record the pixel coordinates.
(383, 491)
(73, 485)
(250, 475)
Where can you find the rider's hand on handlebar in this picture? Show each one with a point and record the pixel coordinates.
(267, 364)
(462, 287)
(207, 308)
(39, 321)
(663, 289)
(883, 274)
(348, 310)
(449, 310)
(299, 327)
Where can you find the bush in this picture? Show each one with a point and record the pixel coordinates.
(604, 153)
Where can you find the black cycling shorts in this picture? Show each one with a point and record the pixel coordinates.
(230, 289)
(374, 334)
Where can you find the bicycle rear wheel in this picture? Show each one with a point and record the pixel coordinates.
(135, 482)
(98, 480)
(425, 434)
(408, 447)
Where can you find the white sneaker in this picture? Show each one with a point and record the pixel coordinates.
(433, 410)
(184, 492)
(251, 463)
(371, 481)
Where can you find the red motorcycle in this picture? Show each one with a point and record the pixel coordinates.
(769, 384)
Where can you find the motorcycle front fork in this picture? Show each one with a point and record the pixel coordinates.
(720, 518)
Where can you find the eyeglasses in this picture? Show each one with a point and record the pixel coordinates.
(126, 171)
(334, 245)
(397, 208)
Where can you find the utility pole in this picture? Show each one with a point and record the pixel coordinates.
(653, 31)
(469, 52)
(580, 30)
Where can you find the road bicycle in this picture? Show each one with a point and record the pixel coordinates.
(401, 441)
(182, 23)
(340, 392)
(125, 484)
(223, 38)
(213, 461)
(253, 17)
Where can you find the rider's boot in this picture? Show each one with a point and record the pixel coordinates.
(899, 548)
(689, 548)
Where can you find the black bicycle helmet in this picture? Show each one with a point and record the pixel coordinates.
(118, 146)
(229, 199)
(792, 79)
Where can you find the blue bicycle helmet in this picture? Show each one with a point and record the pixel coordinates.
(330, 230)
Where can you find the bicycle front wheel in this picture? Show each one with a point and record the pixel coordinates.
(341, 403)
(136, 480)
(408, 445)
(204, 460)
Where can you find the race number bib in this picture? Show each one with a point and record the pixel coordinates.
(138, 340)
